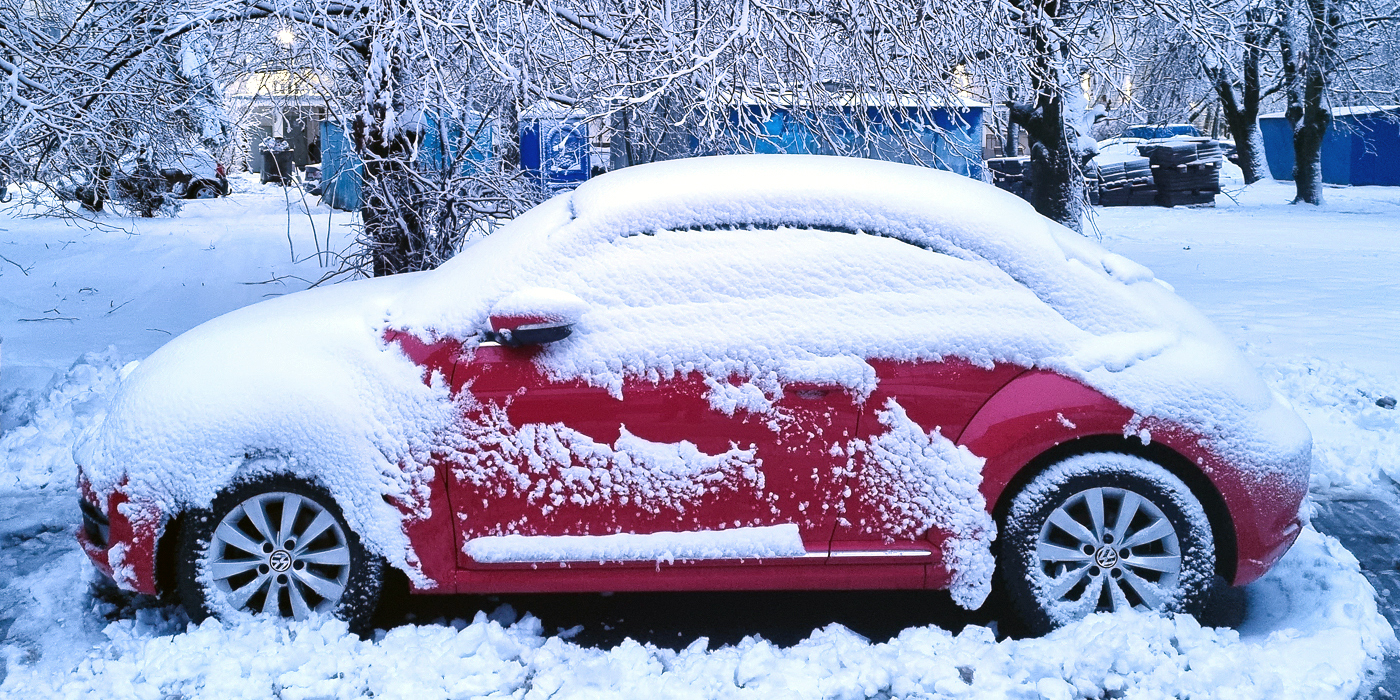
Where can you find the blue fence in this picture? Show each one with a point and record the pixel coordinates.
(949, 138)
(556, 151)
(465, 144)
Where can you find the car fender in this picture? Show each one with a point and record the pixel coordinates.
(1041, 416)
(1032, 414)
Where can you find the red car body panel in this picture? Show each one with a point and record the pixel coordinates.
(1040, 410)
(135, 528)
(1005, 414)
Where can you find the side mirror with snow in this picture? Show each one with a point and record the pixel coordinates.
(534, 316)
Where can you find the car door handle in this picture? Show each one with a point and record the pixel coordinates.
(809, 393)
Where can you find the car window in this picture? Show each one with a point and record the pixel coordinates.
(691, 294)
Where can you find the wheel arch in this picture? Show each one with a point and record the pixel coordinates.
(1221, 522)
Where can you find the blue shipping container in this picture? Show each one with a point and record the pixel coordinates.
(464, 144)
(1362, 147)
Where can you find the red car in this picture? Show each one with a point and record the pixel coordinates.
(731, 373)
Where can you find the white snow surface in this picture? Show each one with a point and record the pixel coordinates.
(1319, 639)
(1316, 311)
(767, 542)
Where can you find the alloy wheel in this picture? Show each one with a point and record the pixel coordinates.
(279, 554)
(1108, 549)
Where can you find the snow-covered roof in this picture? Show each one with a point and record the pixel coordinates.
(1342, 111)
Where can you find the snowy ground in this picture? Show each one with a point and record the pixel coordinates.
(1308, 292)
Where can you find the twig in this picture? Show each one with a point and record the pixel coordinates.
(21, 267)
(160, 331)
(50, 318)
(113, 309)
(278, 280)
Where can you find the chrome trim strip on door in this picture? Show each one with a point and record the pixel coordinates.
(887, 553)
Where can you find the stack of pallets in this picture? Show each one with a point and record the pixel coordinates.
(1012, 174)
(1125, 181)
(1186, 170)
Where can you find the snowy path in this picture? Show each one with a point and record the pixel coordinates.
(1308, 292)
(1370, 529)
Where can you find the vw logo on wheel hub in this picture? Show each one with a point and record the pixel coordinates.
(1106, 557)
(280, 560)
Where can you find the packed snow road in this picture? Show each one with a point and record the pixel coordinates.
(1305, 291)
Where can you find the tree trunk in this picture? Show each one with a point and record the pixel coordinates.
(1012, 148)
(1242, 111)
(1310, 121)
(394, 231)
(1306, 79)
(1057, 171)
(1058, 179)
(510, 125)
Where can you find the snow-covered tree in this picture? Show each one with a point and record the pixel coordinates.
(84, 85)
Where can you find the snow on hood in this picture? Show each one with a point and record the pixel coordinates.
(305, 383)
(302, 384)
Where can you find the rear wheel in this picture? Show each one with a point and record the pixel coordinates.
(1105, 532)
(277, 547)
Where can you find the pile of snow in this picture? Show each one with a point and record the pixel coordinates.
(38, 427)
(1356, 441)
(1318, 637)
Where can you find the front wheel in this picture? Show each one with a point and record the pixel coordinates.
(1105, 532)
(277, 547)
(202, 189)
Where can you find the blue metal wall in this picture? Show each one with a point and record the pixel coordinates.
(465, 143)
(950, 137)
(341, 169)
(556, 150)
(1358, 149)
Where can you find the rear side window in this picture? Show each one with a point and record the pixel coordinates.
(690, 294)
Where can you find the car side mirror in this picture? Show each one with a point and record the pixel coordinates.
(534, 316)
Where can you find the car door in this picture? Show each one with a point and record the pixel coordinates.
(549, 468)
(909, 483)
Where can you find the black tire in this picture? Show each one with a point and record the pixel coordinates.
(203, 595)
(202, 189)
(1107, 575)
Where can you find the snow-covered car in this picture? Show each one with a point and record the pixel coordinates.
(195, 174)
(187, 173)
(739, 372)
(1149, 132)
